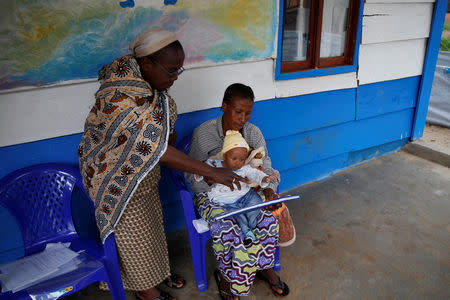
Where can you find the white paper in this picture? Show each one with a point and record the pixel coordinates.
(64, 268)
(24, 272)
(200, 225)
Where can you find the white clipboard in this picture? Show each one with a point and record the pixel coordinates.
(256, 206)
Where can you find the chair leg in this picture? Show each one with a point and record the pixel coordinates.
(116, 293)
(198, 260)
(112, 268)
(115, 286)
(277, 266)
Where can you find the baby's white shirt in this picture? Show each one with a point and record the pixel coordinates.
(221, 194)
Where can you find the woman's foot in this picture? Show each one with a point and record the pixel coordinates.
(175, 281)
(154, 294)
(224, 287)
(279, 288)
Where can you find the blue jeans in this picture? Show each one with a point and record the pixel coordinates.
(247, 221)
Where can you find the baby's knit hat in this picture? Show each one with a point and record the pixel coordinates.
(233, 139)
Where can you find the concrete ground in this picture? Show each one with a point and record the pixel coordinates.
(378, 230)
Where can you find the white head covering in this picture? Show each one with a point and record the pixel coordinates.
(151, 41)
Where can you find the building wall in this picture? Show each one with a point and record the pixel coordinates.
(313, 126)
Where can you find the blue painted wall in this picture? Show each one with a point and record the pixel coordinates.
(308, 137)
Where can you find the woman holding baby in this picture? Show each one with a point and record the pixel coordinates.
(238, 263)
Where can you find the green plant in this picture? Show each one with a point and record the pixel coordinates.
(446, 26)
(445, 44)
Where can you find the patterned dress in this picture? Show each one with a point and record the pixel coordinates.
(125, 134)
(237, 263)
(140, 237)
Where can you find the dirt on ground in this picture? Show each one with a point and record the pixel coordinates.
(437, 134)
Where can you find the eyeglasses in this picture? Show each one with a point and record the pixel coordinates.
(170, 74)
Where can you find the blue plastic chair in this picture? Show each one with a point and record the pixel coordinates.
(197, 240)
(40, 199)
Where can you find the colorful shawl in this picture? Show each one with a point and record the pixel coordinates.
(125, 134)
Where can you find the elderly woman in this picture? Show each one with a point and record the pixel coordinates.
(126, 136)
(238, 265)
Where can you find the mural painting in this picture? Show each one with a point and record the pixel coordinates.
(43, 42)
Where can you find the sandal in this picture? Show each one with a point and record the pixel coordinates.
(162, 296)
(223, 294)
(275, 287)
(173, 281)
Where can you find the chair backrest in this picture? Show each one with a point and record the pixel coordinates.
(183, 145)
(39, 197)
(190, 213)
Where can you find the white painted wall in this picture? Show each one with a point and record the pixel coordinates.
(42, 113)
(389, 61)
(303, 86)
(393, 39)
(396, 22)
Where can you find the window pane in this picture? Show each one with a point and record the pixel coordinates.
(295, 30)
(334, 27)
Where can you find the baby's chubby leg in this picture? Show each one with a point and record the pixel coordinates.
(241, 219)
(249, 199)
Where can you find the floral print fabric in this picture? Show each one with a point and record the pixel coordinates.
(125, 134)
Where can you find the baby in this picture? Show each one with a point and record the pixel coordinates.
(233, 155)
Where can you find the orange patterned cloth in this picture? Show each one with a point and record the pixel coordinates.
(125, 135)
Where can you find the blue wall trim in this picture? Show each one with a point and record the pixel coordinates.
(61, 149)
(280, 39)
(440, 9)
(296, 150)
(286, 116)
(358, 33)
(293, 115)
(324, 168)
(317, 72)
(380, 98)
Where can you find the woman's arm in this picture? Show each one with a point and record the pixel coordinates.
(177, 160)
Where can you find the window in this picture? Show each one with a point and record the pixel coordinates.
(318, 34)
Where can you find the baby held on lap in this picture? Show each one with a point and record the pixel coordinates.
(233, 156)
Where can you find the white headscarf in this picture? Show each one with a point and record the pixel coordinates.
(151, 41)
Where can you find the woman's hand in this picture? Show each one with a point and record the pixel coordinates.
(270, 178)
(177, 160)
(270, 194)
(226, 177)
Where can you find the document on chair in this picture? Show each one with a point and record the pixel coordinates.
(29, 270)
